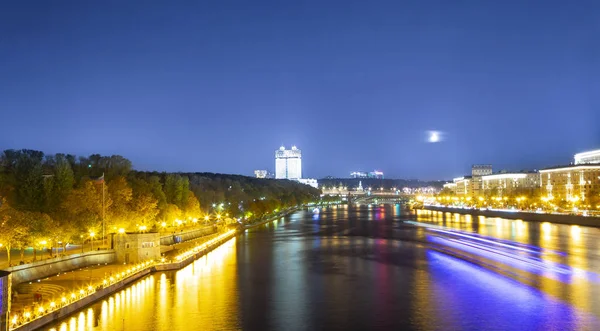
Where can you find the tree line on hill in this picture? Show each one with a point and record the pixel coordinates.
(61, 198)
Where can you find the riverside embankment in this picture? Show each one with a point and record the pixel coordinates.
(58, 308)
(526, 216)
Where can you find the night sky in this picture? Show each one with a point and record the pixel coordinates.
(219, 85)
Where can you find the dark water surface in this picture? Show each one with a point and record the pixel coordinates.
(364, 268)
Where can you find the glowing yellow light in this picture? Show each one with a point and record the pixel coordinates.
(43, 242)
(121, 230)
(163, 224)
(72, 295)
(143, 228)
(90, 288)
(63, 299)
(52, 304)
(92, 234)
(41, 309)
(14, 319)
(27, 315)
(81, 292)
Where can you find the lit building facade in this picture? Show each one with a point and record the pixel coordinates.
(359, 174)
(478, 171)
(376, 174)
(309, 181)
(463, 185)
(5, 298)
(590, 157)
(260, 173)
(573, 182)
(570, 183)
(451, 187)
(508, 183)
(288, 163)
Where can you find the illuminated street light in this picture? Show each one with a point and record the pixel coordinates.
(163, 224)
(143, 228)
(121, 230)
(92, 234)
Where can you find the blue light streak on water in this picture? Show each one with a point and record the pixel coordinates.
(496, 302)
(492, 240)
(532, 266)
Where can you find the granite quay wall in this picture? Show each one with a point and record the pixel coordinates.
(174, 238)
(44, 268)
(533, 217)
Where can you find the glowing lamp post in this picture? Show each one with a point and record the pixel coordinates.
(92, 234)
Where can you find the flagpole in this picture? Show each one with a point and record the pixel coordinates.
(103, 228)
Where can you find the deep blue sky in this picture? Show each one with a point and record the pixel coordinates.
(219, 85)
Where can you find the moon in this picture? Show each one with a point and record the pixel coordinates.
(434, 137)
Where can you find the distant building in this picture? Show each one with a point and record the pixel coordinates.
(359, 174)
(481, 170)
(573, 182)
(590, 157)
(463, 185)
(309, 181)
(260, 173)
(376, 174)
(451, 187)
(5, 298)
(288, 163)
(507, 183)
(477, 171)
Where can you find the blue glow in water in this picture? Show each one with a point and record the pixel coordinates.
(496, 302)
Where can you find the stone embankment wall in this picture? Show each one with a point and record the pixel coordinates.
(44, 268)
(170, 239)
(534, 217)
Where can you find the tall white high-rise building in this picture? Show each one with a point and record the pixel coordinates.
(288, 163)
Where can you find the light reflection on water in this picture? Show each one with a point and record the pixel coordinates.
(344, 269)
(166, 304)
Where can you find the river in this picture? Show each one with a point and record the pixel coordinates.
(372, 268)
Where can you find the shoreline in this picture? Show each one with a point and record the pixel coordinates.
(269, 220)
(590, 221)
(97, 293)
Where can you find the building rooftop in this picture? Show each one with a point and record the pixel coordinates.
(573, 166)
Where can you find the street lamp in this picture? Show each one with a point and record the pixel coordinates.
(92, 234)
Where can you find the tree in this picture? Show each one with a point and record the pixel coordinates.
(28, 175)
(192, 207)
(121, 196)
(12, 228)
(171, 213)
(83, 206)
(143, 211)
